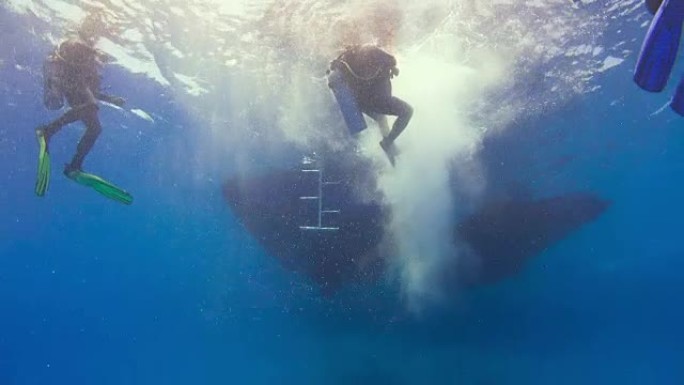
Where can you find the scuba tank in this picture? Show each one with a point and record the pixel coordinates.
(346, 101)
(53, 97)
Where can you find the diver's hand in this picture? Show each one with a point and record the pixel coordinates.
(394, 71)
(118, 101)
(104, 57)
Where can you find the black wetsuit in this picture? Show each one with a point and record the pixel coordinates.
(368, 70)
(79, 80)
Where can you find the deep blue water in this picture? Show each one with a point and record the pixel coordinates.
(172, 290)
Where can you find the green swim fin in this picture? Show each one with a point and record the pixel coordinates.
(102, 186)
(43, 178)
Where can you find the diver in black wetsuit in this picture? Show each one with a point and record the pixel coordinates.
(72, 73)
(77, 77)
(368, 71)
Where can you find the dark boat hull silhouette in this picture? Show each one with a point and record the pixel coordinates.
(349, 246)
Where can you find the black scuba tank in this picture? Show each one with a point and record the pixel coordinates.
(53, 97)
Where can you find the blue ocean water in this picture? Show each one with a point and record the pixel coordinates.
(174, 290)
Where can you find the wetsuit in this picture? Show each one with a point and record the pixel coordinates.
(79, 80)
(368, 70)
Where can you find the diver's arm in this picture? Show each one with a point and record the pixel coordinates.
(115, 100)
(95, 87)
(392, 65)
(385, 61)
(103, 57)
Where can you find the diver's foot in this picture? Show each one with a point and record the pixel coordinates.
(40, 133)
(71, 170)
(390, 150)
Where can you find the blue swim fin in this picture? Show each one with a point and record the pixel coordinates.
(659, 50)
(677, 103)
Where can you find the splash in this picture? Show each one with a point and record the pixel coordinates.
(457, 70)
(441, 136)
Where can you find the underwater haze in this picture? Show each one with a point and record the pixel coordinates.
(515, 101)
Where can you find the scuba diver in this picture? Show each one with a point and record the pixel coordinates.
(71, 72)
(367, 71)
(659, 50)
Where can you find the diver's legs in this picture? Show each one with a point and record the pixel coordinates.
(381, 119)
(73, 114)
(392, 106)
(404, 112)
(93, 130)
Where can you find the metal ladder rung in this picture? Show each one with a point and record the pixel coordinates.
(319, 198)
(319, 228)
